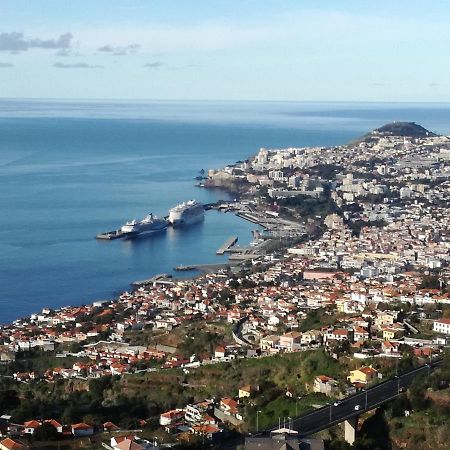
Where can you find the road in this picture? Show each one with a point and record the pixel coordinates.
(330, 415)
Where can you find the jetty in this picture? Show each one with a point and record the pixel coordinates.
(227, 245)
(162, 278)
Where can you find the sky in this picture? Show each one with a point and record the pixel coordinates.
(289, 50)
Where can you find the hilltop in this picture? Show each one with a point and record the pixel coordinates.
(400, 129)
(408, 129)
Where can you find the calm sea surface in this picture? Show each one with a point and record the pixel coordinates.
(69, 170)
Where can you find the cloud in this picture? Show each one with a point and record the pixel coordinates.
(17, 42)
(80, 65)
(68, 52)
(119, 51)
(4, 65)
(154, 65)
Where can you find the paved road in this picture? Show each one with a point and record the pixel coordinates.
(330, 415)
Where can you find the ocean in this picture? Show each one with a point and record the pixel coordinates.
(71, 169)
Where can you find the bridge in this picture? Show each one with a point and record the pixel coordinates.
(330, 415)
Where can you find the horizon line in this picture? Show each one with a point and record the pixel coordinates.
(168, 100)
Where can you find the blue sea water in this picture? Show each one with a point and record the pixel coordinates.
(69, 170)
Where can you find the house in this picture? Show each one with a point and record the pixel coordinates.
(6, 355)
(109, 426)
(360, 334)
(326, 385)
(171, 416)
(116, 440)
(210, 432)
(283, 438)
(392, 332)
(129, 444)
(58, 427)
(195, 412)
(311, 336)
(268, 342)
(362, 375)
(290, 341)
(245, 391)
(390, 348)
(31, 426)
(11, 444)
(82, 429)
(442, 326)
(228, 405)
(219, 352)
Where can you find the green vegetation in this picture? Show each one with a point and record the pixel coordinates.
(310, 207)
(417, 419)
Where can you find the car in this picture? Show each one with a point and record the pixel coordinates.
(357, 407)
(337, 403)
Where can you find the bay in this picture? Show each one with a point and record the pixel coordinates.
(70, 169)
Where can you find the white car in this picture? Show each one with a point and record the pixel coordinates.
(337, 403)
(357, 407)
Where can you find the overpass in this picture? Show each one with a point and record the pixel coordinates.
(330, 415)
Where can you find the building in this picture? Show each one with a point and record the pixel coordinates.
(442, 326)
(290, 341)
(11, 444)
(82, 429)
(31, 426)
(170, 417)
(362, 375)
(283, 439)
(326, 385)
(245, 391)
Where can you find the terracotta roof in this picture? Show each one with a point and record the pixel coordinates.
(32, 424)
(444, 321)
(81, 426)
(12, 444)
(128, 444)
(367, 370)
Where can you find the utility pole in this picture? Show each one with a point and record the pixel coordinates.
(366, 396)
(257, 420)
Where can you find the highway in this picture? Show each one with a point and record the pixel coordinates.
(330, 415)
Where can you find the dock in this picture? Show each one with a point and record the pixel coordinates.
(110, 235)
(162, 278)
(227, 245)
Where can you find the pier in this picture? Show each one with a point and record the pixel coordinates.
(206, 268)
(227, 245)
(162, 278)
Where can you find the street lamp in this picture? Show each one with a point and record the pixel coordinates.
(366, 395)
(257, 420)
(296, 405)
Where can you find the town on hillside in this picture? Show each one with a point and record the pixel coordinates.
(350, 288)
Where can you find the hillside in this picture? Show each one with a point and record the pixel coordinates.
(401, 129)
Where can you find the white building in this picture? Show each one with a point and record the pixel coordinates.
(442, 326)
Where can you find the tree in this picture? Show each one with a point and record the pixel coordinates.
(9, 399)
(46, 432)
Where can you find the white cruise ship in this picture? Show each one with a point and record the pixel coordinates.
(149, 224)
(186, 213)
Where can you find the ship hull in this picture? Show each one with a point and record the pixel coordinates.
(132, 234)
(184, 221)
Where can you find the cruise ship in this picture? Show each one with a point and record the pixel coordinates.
(149, 224)
(186, 213)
